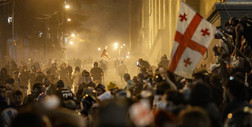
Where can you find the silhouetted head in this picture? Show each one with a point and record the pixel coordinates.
(95, 64)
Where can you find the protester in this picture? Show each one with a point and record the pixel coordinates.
(121, 70)
(100, 89)
(4, 100)
(96, 73)
(63, 92)
(24, 79)
(17, 100)
(164, 62)
(4, 76)
(33, 97)
(129, 82)
(76, 77)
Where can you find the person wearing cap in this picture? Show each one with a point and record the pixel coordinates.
(87, 91)
(100, 89)
(63, 92)
(112, 87)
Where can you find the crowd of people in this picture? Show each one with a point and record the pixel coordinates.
(65, 97)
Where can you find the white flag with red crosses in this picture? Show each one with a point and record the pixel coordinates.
(193, 36)
(105, 54)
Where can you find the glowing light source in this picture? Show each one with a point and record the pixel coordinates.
(99, 49)
(127, 56)
(71, 42)
(123, 44)
(128, 52)
(73, 35)
(121, 47)
(116, 45)
(230, 116)
(69, 19)
(67, 6)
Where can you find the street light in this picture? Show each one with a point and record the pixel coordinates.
(116, 45)
(67, 6)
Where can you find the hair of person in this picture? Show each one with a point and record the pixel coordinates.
(77, 69)
(163, 117)
(17, 93)
(37, 86)
(84, 72)
(162, 87)
(126, 76)
(193, 117)
(10, 80)
(200, 94)
(2, 87)
(3, 69)
(237, 89)
(227, 24)
(28, 120)
(95, 64)
(60, 84)
(174, 96)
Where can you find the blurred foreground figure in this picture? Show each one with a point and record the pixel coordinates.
(113, 114)
(240, 118)
(194, 117)
(29, 120)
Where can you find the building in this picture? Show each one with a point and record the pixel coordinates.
(153, 24)
(152, 27)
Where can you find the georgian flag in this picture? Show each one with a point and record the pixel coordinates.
(105, 54)
(193, 36)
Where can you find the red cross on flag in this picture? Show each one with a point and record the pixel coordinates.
(105, 54)
(193, 36)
